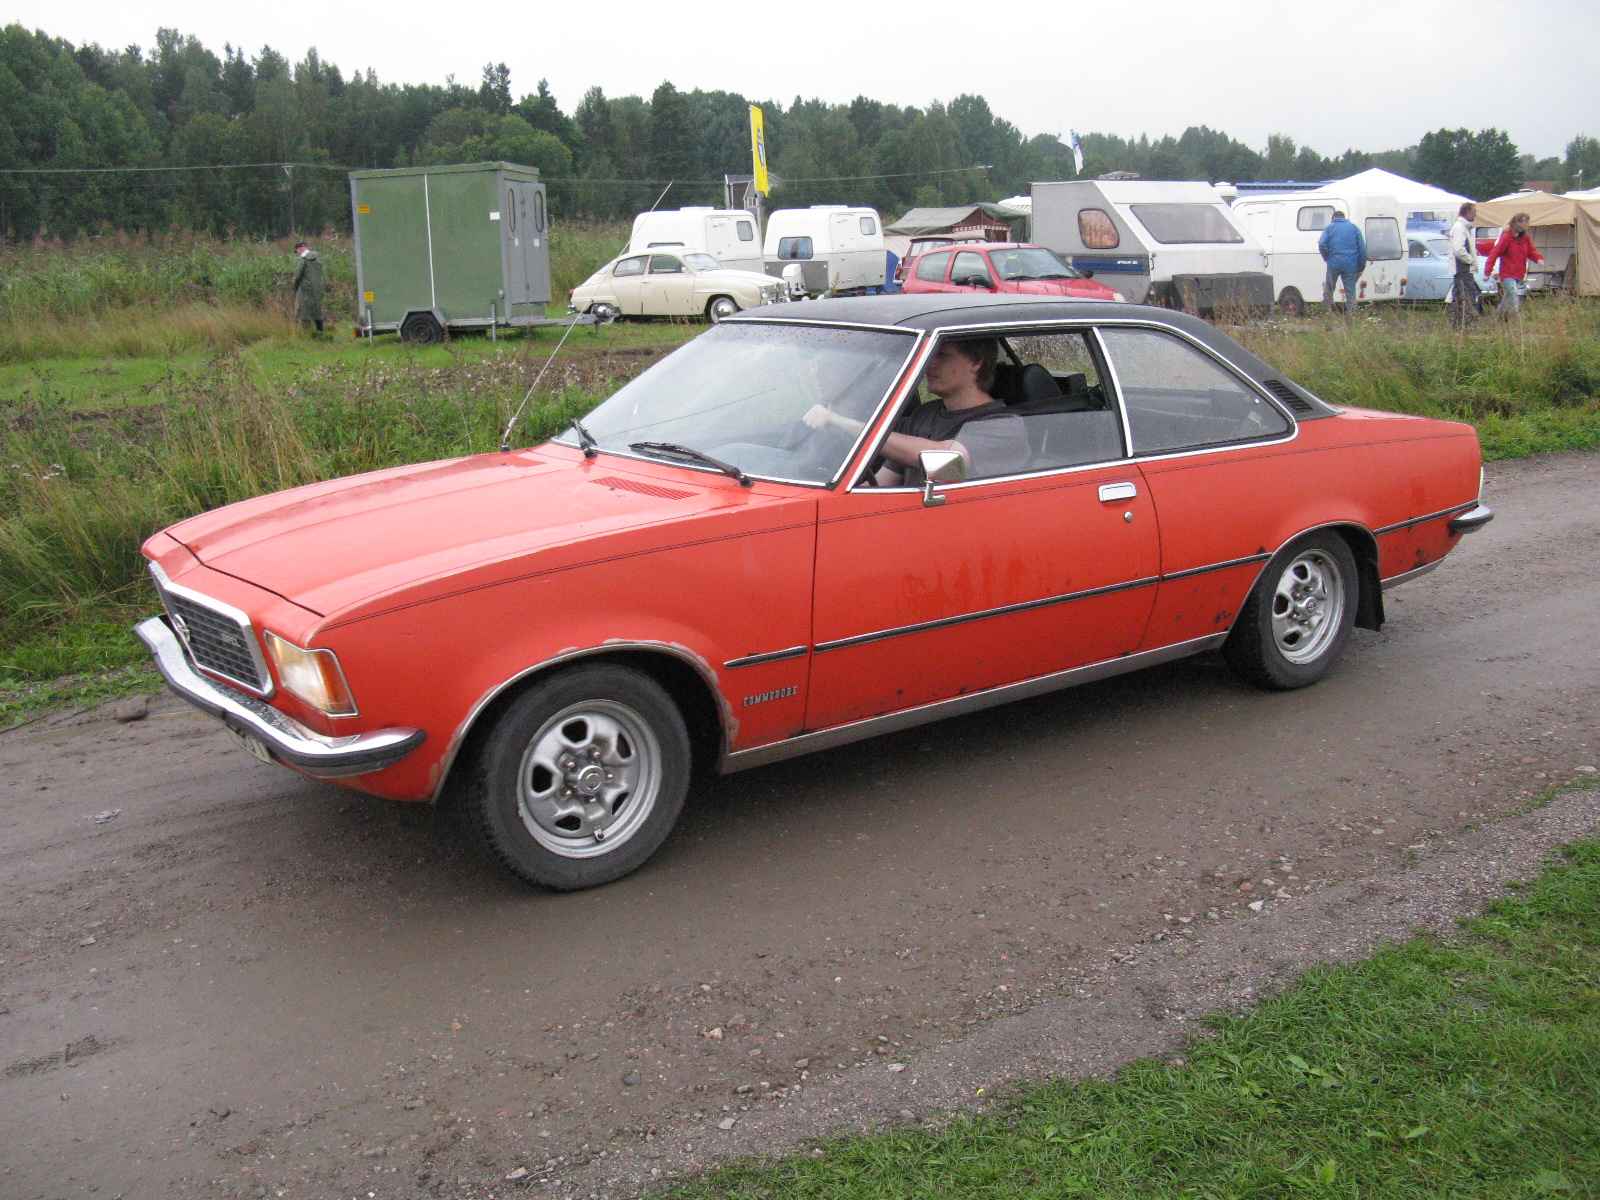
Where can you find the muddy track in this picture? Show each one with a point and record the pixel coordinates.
(245, 982)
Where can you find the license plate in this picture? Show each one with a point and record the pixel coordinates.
(253, 744)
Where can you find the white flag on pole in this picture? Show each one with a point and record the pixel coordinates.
(1077, 151)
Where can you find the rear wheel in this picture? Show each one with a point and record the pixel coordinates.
(605, 312)
(1291, 303)
(421, 329)
(1298, 618)
(721, 308)
(581, 778)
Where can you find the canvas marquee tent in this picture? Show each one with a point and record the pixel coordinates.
(1562, 227)
(1416, 199)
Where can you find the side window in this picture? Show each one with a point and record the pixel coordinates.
(794, 247)
(1418, 250)
(1055, 387)
(869, 227)
(1383, 238)
(747, 231)
(930, 267)
(629, 266)
(1314, 217)
(969, 264)
(1179, 398)
(665, 264)
(1096, 229)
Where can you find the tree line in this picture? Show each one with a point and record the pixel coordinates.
(179, 136)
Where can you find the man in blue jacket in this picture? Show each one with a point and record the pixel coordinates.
(1345, 251)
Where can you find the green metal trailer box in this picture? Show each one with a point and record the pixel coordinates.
(453, 247)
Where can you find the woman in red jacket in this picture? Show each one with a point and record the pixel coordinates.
(1512, 251)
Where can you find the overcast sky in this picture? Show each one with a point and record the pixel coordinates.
(1364, 74)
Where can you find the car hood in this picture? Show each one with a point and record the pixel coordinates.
(1084, 289)
(331, 546)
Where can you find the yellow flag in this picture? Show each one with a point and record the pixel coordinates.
(758, 148)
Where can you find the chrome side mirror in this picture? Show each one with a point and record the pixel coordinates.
(940, 466)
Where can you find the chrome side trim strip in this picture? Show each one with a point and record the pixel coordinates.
(1433, 516)
(302, 748)
(943, 622)
(1408, 576)
(856, 731)
(752, 660)
(1221, 566)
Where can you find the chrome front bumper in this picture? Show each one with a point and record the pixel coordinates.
(303, 749)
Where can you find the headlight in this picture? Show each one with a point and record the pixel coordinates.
(311, 675)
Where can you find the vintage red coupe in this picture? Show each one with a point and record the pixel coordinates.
(744, 555)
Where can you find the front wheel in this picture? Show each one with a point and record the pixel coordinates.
(1298, 618)
(720, 309)
(581, 778)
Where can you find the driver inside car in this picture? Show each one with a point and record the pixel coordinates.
(964, 417)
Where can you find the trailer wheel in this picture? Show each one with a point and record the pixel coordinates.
(421, 329)
(721, 308)
(1291, 303)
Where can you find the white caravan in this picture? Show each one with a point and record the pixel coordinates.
(729, 235)
(1289, 226)
(836, 248)
(1156, 242)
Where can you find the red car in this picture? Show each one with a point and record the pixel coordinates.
(1006, 268)
(714, 570)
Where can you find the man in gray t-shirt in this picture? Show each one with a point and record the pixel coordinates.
(965, 418)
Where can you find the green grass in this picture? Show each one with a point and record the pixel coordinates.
(1527, 388)
(1441, 1069)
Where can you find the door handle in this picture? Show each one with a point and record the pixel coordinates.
(1118, 491)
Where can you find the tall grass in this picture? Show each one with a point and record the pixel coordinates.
(1528, 387)
(130, 295)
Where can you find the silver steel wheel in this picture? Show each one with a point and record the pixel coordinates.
(721, 308)
(605, 312)
(1308, 606)
(589, 779)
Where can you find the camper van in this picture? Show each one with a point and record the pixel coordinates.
(1289, 226)
(1156, 242)
(836, 248)
(729, 235)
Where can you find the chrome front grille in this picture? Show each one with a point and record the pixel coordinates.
(218, 637)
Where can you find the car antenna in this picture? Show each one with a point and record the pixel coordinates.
(505, 437)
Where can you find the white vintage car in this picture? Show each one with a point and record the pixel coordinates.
(664, 283)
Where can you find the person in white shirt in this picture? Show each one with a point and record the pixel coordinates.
(1466, 298)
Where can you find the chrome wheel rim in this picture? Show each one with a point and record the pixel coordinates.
(1308, 606)
(723, 308)
(589, 778)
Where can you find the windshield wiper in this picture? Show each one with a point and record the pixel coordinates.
(585, 439)
(673, 450)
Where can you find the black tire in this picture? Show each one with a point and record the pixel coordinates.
(720, 308)
(1297, 621)
(581, 778)
(421, 329)
(1291, 303)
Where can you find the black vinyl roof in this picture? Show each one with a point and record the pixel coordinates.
(933, 312)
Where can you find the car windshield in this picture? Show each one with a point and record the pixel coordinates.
(1030, 262)
(741, 393)
(702, 262)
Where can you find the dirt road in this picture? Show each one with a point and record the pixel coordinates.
(247, 984)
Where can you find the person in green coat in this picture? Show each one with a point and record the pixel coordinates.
(308, 286)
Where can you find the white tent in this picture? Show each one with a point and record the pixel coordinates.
(1416, 199)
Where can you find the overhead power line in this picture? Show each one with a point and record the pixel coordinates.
(550, 179)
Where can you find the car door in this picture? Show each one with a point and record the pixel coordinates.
(1005, 580)
(626, 280)
(1210, 447)
(668, 288)
(970, 265)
